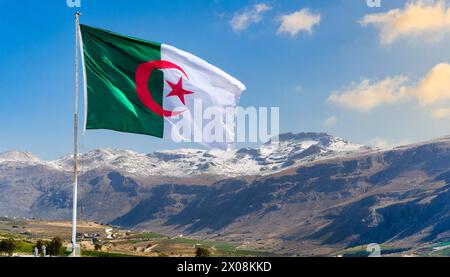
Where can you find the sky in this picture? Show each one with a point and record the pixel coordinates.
(372, 75)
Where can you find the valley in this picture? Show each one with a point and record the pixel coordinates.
(310, 195)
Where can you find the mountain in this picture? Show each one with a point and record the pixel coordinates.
(311, 194)
(16, 156)
(289, 150)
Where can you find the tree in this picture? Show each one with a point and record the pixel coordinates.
(8, 246)
(202, 252)
(54, 246)
(39, 244)
(2, 247)
(97, 244)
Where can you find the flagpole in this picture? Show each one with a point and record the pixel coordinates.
(75, 248)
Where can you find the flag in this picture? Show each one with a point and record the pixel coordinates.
(143, 87)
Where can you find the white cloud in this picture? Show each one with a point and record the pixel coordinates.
(386, 144)
(242, 20)
(440, 113)
(417, 18)
(432, 92)
(330, 121)
(435, 87)
(300, 21)
(367, 95)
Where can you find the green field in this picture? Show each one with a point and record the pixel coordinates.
(360, 251)
(124, 244)
(165, 245)
(99, 254)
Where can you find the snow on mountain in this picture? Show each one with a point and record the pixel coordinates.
(290, 149)
(16, 156)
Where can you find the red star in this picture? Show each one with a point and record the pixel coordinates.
(178, 90)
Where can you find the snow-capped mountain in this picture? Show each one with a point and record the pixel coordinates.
(16, 156)
(333, 193)
(289, 150)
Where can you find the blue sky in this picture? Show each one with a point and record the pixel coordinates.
(296, 69)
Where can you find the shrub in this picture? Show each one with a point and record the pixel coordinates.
(54, 247)
(202, 252)
(7, 247)
(97, 244)
(39, 244)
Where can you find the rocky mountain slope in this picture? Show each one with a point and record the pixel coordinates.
(311, 194)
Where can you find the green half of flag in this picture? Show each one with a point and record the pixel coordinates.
(111, 61)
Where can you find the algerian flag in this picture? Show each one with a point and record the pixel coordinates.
(136, 86)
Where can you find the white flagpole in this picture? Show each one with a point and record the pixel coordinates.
(75, 252)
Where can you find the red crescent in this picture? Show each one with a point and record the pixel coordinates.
(143, 73)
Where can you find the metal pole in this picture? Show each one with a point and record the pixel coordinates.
(75, 140)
